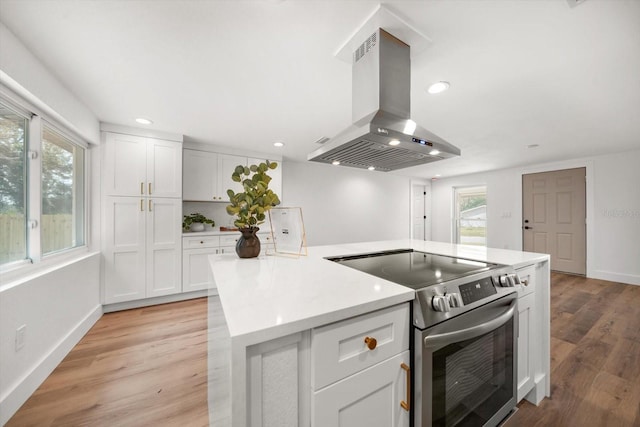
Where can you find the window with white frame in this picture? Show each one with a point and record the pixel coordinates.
(470, 222)
(42, 187)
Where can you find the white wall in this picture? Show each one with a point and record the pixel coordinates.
(58, 308)
(613, 211)
(24, 74)
(344, 205)
(57, 303)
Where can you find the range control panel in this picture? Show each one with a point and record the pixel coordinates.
(475, 291)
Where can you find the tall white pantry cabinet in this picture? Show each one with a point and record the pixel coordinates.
(142, 217)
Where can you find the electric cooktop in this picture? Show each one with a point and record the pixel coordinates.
(413, 269)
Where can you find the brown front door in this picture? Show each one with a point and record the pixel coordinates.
(554, 217)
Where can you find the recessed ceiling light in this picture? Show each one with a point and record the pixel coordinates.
(335, 163)
(144, 121)
(371, 168)
(278, 144)
(394, 142)
(434, 152)
(438, 87)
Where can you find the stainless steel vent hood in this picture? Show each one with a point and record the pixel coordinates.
(383, 136)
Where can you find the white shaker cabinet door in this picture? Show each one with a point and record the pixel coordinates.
(195, 269)
(526, 364)
(164, 246)
(125, 165)
(164, 168)
(200, 176)
(124, 249)
(369, 398)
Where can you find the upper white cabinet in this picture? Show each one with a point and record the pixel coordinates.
(141, 166)
(200, 175)
(207, 176)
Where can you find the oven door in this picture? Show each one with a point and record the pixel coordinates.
(466, 367)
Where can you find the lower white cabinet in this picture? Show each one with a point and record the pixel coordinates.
(196, 272)
(369, 398)
(142, 248)
(526, 333)
(301, 380)
(360, 370)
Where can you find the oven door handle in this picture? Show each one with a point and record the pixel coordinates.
(472, 332)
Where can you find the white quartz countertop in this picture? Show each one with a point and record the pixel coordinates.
(272, 296)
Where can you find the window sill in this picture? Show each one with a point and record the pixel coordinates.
(23, 272)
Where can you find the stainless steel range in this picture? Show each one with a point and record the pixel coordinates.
(464, 334)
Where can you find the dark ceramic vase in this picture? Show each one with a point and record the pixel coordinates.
(248, 245)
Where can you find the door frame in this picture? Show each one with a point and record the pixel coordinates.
(427, 207)
(588, 164)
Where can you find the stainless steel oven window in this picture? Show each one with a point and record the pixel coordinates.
(465, 367)
(473, 379)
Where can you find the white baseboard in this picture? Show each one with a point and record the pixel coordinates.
(108, 308)
(14, 399)
(630, 279)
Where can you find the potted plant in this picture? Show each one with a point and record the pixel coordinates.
(196, 222)
(250, 206)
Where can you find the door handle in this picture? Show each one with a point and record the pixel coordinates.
(405, 403)
(473, 331)
(526, 227)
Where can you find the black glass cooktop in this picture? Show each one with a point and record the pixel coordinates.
(412, 268)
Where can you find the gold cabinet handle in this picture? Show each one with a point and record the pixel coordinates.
(149, 188)
(141, 205)
(405, 403)
(150, 205)
(371, 343)
(142, 188)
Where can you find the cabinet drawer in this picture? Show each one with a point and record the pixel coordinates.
(527, 275)
(229, 240)
(196, 242)
(339, 350)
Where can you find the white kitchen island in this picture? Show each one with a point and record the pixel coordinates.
(268, 364)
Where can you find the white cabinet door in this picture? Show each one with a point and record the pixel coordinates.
(125, 165)
(124, 249)
(164, 168)
(525, 345)
(196, 270)
(164, 247)
(200, 181)
(369, 398)
(276, 175)
(226, 165)
(137, 166)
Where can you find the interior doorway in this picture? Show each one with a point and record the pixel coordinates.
(420, 229)
(554, 217)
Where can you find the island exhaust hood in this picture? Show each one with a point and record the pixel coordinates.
(383, 136)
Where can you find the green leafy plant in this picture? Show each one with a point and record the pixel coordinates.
(195, 217)
(250, 206)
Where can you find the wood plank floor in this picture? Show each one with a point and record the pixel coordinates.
(141, 367)
(595, 357)
(148, 366)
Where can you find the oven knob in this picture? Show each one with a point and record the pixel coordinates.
(440, 303)
(455, 300)
(508, 280)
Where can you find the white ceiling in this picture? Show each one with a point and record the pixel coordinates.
(249, 73)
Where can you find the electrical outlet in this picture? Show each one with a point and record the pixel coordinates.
(20, 336)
